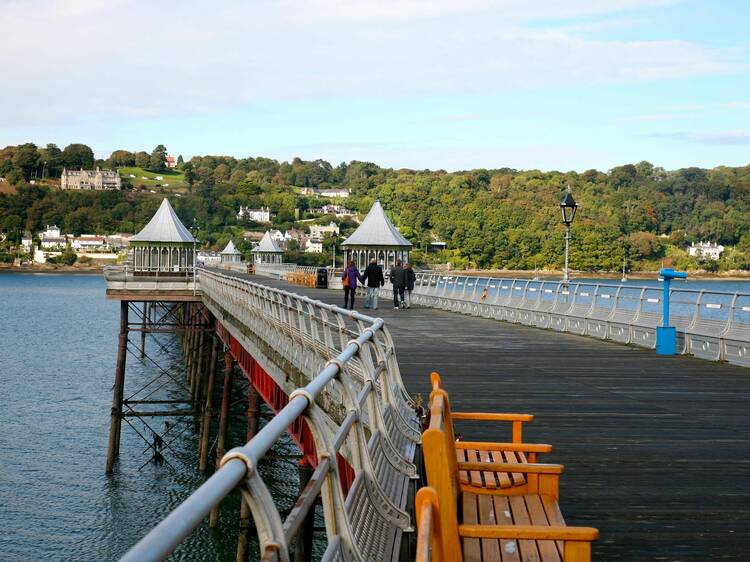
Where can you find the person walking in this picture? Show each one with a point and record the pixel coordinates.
(349, 280)
(411, 279)
(398, 280)
(373, 275)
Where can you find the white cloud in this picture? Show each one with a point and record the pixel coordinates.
(90, 60)
(731, 137)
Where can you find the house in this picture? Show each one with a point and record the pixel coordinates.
(119, 241)
(171, 161)
(436, 246)
(90, 179)
(330, 209)
(706, 250)
(276, 235)
(52, 239)
(89, 243)
(258, 215)
(319, 231)
(314, 246)
(338, 193)
(209, 258)
(27, 243)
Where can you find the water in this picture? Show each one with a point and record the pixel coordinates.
(58, 341)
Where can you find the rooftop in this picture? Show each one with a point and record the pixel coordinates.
(267, 244)
(164, 226)
(377, 230)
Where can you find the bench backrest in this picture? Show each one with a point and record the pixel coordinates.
(439, 450)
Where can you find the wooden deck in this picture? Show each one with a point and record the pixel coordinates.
(656, 449)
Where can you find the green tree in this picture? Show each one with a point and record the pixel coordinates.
(78, 156)
(158, 160)
(26, 159)
(142, 160)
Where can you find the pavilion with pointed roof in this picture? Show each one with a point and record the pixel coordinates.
(163, 245)
(376, 238)
(267, 251)
(230, 254)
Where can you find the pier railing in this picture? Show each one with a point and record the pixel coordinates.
(713, 325)
(125, 277)
(344, 354)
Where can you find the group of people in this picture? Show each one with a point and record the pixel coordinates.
(402, 278)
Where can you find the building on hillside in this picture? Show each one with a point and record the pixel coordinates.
(89, 243)
(163, 246)
(314, 246)
(52, 239)
(436, 246)
(330, 209)
(230, 254)
(267, 251)
(119, 241)
(258, 215)
(335, 193)
(90, 179)
(295, 234)
(171, 161)
(277, 235)
(319, 231)
(27, 242)
(376, 238)
(706, 250)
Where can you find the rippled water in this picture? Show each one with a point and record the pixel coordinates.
(58, 340)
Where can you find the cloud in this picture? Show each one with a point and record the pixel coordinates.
(720, 138)
(91, 61)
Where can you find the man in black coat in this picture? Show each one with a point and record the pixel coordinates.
(373, 276)
(398, 280)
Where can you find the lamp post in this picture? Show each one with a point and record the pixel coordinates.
(568, 208)
(194, 232)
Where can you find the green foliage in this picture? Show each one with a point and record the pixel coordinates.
(158, 159)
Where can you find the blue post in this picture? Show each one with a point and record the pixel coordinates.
(666, 335)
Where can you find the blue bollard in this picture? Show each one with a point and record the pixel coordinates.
(666, 335)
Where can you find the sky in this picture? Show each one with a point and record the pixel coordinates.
(440, 84)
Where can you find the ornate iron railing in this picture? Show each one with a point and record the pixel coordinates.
(354, 403)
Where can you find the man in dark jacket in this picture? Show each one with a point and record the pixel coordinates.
(398, 280)
(373, 276)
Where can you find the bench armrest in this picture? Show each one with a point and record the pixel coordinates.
(529, 532)
(523, 468)
(515, 447)
(492, 417)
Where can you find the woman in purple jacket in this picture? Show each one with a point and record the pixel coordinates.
(349, 279)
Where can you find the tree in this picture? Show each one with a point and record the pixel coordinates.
(25, 159)
(120, 158)
(189, 176)
(180, 161)
(78, 156)
(52, 160)
(142, 160)
(158, 160)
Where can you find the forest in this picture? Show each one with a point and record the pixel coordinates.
(638, 214)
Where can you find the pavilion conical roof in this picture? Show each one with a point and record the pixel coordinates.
(377, 230)
(230, 249)
(164, 226)
(267, 244)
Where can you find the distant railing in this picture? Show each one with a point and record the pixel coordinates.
(344, 355)
(713, 325)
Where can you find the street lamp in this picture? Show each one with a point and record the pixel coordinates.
(194, 232)
(568, 208)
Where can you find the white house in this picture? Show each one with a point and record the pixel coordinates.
(89, 243)
(26, 243)
(319, 230)
(209, 258)
(258, 215)
(52, 239)
(277, 235)
(331, 209)
(313, 246)
(706, 250)
(338, 193)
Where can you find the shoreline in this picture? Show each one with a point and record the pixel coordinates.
(62, 269)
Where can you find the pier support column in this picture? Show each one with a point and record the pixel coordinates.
(208, 406)
(303, 548)
(252, 427)
(144, 325)
(221, 446)
(115, 420)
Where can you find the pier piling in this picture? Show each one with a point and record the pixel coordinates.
(115, 422)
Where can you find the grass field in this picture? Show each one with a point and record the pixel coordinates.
(171, 179)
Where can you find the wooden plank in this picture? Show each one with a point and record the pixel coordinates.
(518, 478)
(489, 477)
(547, 549)
(476, 476)
(554, 516)
(529, 551)
(508, 548)
(490, 547)
(463, 476)
(471, 547)
(503, 477)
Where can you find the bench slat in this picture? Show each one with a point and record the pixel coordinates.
(554, 516)
(508, 547)
(471, 547)
(547, 549)
(529, 551)
(490, 547)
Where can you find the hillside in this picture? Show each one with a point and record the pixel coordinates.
(500, 218)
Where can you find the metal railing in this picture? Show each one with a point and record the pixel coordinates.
(126, 277)
(710, 324)
(354, 403)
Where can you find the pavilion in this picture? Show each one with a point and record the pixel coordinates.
(376, 238)
(230, 254)
(163, 245)
(267, 251)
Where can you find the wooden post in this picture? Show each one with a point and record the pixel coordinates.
(143, 331)
(252, 427)
(208, 407)
(115, 420)
(198, 372)
(223, 422)
(303, 549)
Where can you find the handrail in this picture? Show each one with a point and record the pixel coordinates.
(711, 324)
(363, 372)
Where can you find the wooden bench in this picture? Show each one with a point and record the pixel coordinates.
(463, 521)
(514, 452)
